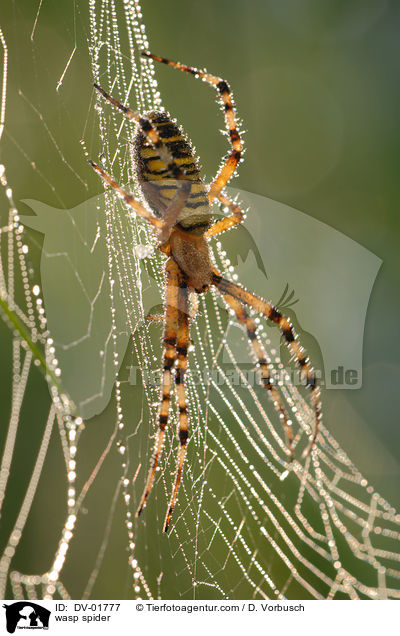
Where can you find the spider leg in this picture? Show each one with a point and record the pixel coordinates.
(235, 218)
(166, 224)
(232, 160)
(244, 318)
(149, 131)
(270, 312)
(174, 208)
(128, 198)
(182, 351)
(169, 358)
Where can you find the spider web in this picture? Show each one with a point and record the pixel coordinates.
(246, 525)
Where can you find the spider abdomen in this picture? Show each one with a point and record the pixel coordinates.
(158, 188)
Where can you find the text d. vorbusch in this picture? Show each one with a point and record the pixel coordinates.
(276, 607)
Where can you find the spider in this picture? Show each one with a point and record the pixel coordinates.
(179, 211)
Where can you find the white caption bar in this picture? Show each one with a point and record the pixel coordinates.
(134, 617)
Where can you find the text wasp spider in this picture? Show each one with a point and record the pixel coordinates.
(181, 218)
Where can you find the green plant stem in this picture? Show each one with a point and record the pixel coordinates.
(15, 321)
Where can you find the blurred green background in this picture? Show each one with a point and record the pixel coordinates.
(316, 85)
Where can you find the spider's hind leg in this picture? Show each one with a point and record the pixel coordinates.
(163, 226)
(231, 162)
(129, 199)
(175, 171)
(226, 223)
(149, 130)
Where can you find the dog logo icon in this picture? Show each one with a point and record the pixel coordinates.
(26, 615)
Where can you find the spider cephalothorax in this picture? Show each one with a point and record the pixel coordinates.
(168, 175)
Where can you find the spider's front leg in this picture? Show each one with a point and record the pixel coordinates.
(176, 343)
(182, 344)
(259, 352)
(169, 358)
(229, 289)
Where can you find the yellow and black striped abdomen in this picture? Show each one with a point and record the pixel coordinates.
(158, 187)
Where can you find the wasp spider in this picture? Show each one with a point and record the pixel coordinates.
(169, 178)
